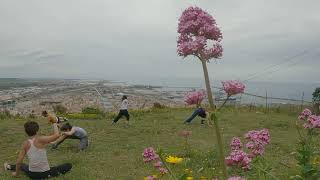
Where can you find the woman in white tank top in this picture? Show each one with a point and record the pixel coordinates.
(34, 148)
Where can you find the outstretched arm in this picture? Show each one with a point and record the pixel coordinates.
(21, 156)
(69, 133)
(47, 139)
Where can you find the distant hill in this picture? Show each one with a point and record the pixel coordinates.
(7, 83)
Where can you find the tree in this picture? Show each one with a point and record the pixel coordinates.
(200, 36)
(316, 100)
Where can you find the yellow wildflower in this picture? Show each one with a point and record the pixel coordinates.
(189, 178)
(174, 160)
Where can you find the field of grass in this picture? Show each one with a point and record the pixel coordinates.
(115, 152)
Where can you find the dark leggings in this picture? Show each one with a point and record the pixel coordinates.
(122, 112)
(53, 172)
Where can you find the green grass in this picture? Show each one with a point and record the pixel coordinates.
(115, 151)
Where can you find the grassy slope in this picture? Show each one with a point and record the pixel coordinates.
(115, 151)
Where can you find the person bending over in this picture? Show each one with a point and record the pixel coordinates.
(34, 148)
(201, 112)
(123, 110)
(72, 132)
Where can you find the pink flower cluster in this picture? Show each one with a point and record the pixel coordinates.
(150, 155)
(233, 178)
(239, 158)
(233, 87)
(310, 121)
(194, 97)
(235, 144)
(236, 178)
(153, 177)
(195, 27)
(185, 133)
(257, 141)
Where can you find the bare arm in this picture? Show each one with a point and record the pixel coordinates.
(47, 139)
(21, 156)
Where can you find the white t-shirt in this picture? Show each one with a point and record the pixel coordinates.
(124, 105)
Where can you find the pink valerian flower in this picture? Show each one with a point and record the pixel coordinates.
(149, 155)
(236, 178)
(233, 87)
(305, 114)
(162, 170)
(185, 133)
(235, 144)
(158, 164)
(195, 28)
(257, 141)
(194, 97)
(239, 158)
(151, 177)
(313, 121)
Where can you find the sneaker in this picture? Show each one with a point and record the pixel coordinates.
(6, 166)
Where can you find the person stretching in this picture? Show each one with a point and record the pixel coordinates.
(52, 118)
(72, 132)
(201, 112)
(123, 111)
(34, 148)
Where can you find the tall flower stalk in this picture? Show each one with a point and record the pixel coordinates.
(197, 29)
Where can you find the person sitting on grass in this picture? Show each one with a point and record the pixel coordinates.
(72, 132)
(52, 118)
(123, 111)
(201, 112)
(34, 148)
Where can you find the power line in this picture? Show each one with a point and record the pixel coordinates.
(265, 70)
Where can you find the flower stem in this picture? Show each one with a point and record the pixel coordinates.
(168, 168)
(266, 172)
(225, 101)
(220, 146)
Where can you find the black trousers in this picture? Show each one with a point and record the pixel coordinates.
(122, 112)
(53, 172)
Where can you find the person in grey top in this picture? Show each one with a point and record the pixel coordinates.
(72, 132)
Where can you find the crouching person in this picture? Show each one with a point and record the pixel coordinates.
(72, 132)
(34, 148)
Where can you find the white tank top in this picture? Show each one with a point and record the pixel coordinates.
(38, 161)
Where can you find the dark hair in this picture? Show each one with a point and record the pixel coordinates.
(31, 128)
(44, 113)
(124, 97)
(66, 127)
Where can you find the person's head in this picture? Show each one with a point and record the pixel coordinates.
(124, 97)
(44, 113)
(31, 128)
(66, 127)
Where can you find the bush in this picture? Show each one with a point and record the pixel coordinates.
(60, 109)
(91, 110)
(157, 105)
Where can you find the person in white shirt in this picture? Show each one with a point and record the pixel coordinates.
(123, 110)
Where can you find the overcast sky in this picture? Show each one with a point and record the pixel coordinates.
(132, 39)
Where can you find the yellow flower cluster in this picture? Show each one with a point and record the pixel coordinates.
(174, 160)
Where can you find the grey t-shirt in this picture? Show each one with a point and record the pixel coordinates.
(79, 132)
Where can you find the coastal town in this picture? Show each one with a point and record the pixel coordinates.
(78, 94)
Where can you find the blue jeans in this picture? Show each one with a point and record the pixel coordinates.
(194, 114)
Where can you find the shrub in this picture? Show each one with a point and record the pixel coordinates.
(91, 110)
(60, 109)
